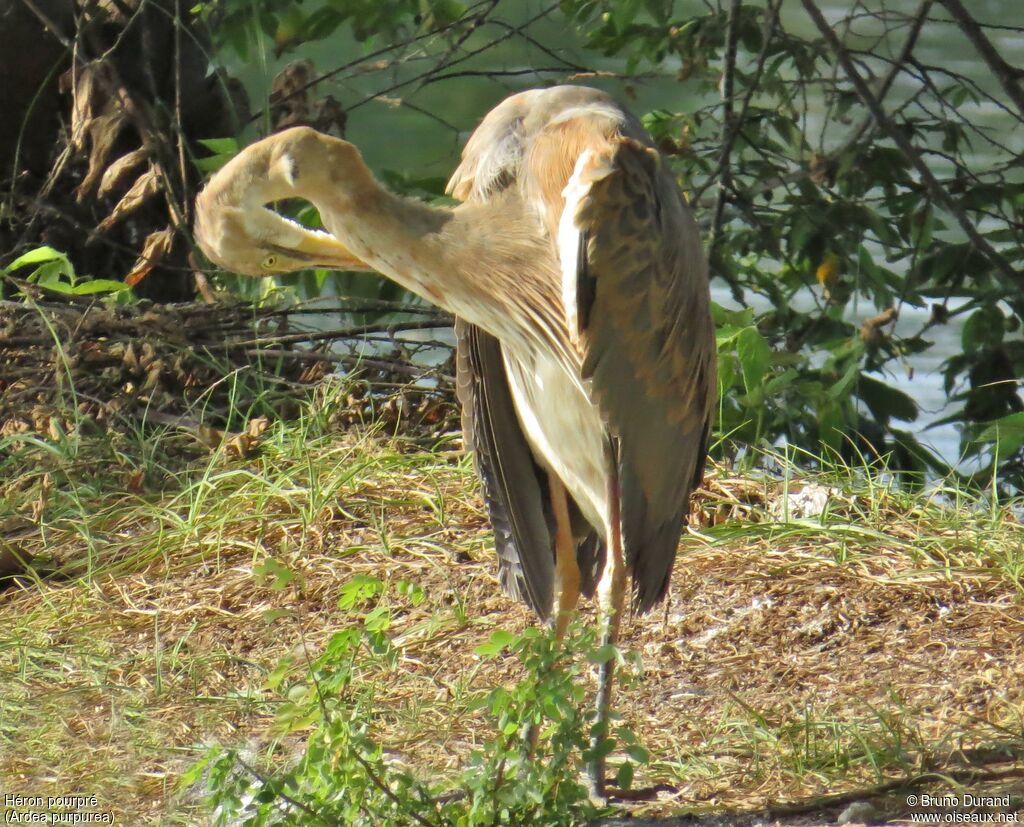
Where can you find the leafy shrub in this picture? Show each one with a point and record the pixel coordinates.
(345, 776)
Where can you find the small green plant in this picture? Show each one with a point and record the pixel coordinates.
(54, 271)
(508, 783)
(346, 776)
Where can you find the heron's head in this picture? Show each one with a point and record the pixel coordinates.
(236, 229)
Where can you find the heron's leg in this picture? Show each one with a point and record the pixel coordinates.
(567, 575)
(611, 593)
(567, 569)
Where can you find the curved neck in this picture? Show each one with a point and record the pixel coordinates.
(486, 263)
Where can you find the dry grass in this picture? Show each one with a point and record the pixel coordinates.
(793, 660)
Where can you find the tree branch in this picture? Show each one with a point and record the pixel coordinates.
(467, 56)
(731, 127)
(855, 135)
(1006, 74)
(771, 21)
(885, 123)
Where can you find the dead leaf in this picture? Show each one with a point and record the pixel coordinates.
(39, 506)
(209, 436)
(155, 249)
(103, 132)
(258, 426)
(131, 361)
(145, 187)
(88, 99)
(202, 284)
(147, 355)
(242, 445)
(331, 115)
(289, 95)
(871, 329)
(136, 482)
(117, 173)
(153, 375)
(314, 373)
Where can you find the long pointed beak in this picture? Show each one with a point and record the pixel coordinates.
(324, 250)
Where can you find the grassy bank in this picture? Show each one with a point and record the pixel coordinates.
(805, 658)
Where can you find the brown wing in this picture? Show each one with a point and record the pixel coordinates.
(641, 324)
(515, 488)
(647, 341)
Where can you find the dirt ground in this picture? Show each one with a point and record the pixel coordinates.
(795, 669)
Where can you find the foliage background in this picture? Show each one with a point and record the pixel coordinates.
(844, 170)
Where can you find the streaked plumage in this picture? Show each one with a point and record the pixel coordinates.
(586, 361)
(636, 309)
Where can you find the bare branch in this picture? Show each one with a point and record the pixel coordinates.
(366, 58)
(935, 189)
(348, 332)
(1006, 74)
(728, 121)
(771, 21)
(544, 12)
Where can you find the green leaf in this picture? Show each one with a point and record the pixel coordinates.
(984, 328)
(638, 754)
(498, 643)
(221, 146)
(378, 620)
(208, 166)
(359, 588)
(841, 388)
(922, 227)
(270, 569)
(411, 591)
(100, 286)
(192, 775)
(223, 149)
(1007, 433)
(49, 276)
(781, 382)
(624, 777)
(341, 644)
(602, 749)
(444, 12)
(754, 355)
(279, 673)
(737, 318)
(660, 10)
(602, 654)
(800, 233)
(624, 12)
(39, 255)
(886, 402)
(271, 615)
(831, 424)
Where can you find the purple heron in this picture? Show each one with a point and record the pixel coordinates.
(586, 351)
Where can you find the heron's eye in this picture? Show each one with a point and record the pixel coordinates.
(270, 262)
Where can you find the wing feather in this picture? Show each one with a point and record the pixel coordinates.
(515, 487)
(493, 153)
(638, 332)
(648, 336)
